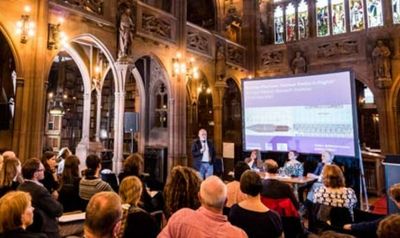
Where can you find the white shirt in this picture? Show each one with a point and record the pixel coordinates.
(206, 154)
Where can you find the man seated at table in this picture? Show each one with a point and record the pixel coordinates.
(273, 188)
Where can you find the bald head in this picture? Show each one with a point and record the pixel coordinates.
(103, 215)
(213, 193)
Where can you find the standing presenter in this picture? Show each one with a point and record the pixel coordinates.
(203, 155)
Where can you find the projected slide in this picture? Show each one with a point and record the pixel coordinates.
(309, 114)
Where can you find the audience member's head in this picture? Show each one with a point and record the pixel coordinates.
(49, 161)
(9, 171)
(292, 155)
(1, 161)
(250, 183)
(213, 194)
(130, 190)
(93, 164)
(63, 153)
(327, 157)
(271, 166)
(332, 176)
(240, 168)
(33, 169)
(9, 154)
(181, 189)
(254, 154)
(333, 234)
(71, 169)
(394, 193)
(389, 227)
(103, 215)
(134, 165)
(17, 206)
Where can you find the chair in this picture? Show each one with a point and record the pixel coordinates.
(292, 226)
(219, 167)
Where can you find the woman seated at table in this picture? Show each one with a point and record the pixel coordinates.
(293, 167)
(326, 159)
(251, 214)
(254, 161)
(333, 191)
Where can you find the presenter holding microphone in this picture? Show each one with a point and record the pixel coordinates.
(203, 155)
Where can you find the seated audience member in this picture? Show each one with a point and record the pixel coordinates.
(138, 222)
(389, 227)
(8, 154)
(326, 159)
(91, 183)
(369, 228)
(207, 221)
(251, 214)
(69, 181)
(333, 192)
(19, 210)
(181, 190)
(62, 155)
(134, 166)
(234, 195)
(293, 167)
(273, 188)
(10, 175)
(50, 181)
(45, 205)
(254, 161)
(330, 234)
(103, 216)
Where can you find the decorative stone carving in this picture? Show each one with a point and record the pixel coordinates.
(271, 58)
(198, 42)
(156, 26)
(220, 62)
(381, 63)
(235, 55)
(298, 64)
(337, 49)
(94, 6)
(233, 24)
(126, 30)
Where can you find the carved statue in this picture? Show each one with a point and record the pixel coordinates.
(298, 64)
(126, 28)
(381, 61)
(233, 24)
(220, 62)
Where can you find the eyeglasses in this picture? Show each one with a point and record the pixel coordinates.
(40, 170)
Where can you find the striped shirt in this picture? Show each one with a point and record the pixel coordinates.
(90, 186)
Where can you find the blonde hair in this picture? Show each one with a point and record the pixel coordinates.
(394, 192)
(130, 190)
(14, 205)
(8, 171)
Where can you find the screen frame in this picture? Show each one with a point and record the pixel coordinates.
(352, 79)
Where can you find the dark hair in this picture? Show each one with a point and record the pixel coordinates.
(271, 166)
(389, 227)
(92, 163)
(240, 168)
(250, 183)
(46, 156)
(29, 167)
(294, 152)
(181, 189)
(71, 169)
(333, 234)
(133, 165)
(332, 176)
(394, 192)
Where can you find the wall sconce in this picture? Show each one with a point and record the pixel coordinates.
(25, 27)
(55, 36)
(57, 108)
(181, 67)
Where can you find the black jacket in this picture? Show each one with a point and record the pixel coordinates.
(21, 233)
(197, 155)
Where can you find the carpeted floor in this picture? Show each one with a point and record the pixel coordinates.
(379, 206)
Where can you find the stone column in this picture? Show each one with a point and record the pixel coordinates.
(82, 149)
(98, 115)
(218, 102)
(124, 68)
(19, 93)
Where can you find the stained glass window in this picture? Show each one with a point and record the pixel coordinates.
(322, 18)
(278, 25)
(396, 11)
(303, 20)
(356, 15)
(374, 10)
(338, 17)
(290, 23)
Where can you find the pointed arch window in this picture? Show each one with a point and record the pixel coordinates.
(356, 10)
(338, 17)
(290, 13)
(302, 20)
(396, 11)
(374, 13)
(322, 17)
(278, 25)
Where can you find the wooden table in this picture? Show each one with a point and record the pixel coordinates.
(294, 181)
